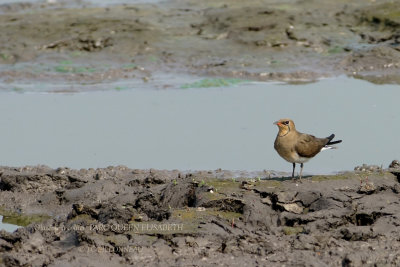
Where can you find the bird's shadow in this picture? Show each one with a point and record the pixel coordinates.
(287, 178)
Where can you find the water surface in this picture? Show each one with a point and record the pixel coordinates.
(6, 226)
(205, 128)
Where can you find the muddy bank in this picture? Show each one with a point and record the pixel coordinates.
(262, 40)
(119, 216)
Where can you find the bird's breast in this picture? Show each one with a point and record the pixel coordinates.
(286, 149)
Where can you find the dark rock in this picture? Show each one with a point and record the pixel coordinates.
(324, 203)
(308, 197)
(394, 164)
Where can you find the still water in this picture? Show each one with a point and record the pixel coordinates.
(6, 226)
(204, 128)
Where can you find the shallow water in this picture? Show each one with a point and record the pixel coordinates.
(206, 128)
(6, 226)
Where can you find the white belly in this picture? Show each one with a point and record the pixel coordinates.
(299, 159)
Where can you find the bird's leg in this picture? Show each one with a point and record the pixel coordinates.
(301, 170)
(294, 166)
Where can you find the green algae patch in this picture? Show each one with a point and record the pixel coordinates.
(67, 66)
(21, 219)
(387, 13)
(121, 88)
(195, 215)
(82, 217)
(228, 215)
(320, 178)
(224, 187)
(217, 82)
(213, 196)
(353, 175)
(267, 184)
(17, 89)
(72, 69)
(130, 66)
(221, 185)
(287, 230)
(335, 50)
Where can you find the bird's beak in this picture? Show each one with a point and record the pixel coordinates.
(277, 123)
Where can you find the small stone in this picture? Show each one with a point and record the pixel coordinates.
(367, 188)
(266, 200)
(137, 218)
(292, 230)
(395, 164)
(190, 241)
(292, 207)
(286, 197)
(396, 188)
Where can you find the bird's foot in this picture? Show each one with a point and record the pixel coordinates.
(297, 180)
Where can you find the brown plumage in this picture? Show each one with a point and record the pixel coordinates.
(297, 147)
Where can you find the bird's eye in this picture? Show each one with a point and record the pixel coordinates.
(286, 122)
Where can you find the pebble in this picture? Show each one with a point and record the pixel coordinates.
(395, 164)
(370, 168)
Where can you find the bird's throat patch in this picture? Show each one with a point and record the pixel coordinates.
(284, 131)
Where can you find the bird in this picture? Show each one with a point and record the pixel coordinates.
(296, 147)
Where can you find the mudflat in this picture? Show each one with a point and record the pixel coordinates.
(293, 41)
(119, 216)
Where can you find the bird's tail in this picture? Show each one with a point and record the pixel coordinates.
(332, 142)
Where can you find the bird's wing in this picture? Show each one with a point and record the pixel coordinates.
(308, 145)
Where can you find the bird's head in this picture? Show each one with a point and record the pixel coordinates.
(285, 126)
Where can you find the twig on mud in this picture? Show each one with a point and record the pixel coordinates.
(56, 43)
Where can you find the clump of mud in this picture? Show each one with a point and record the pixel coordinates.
(120, 216)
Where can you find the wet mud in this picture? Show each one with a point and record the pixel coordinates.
(293, 41)
(118, 216)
